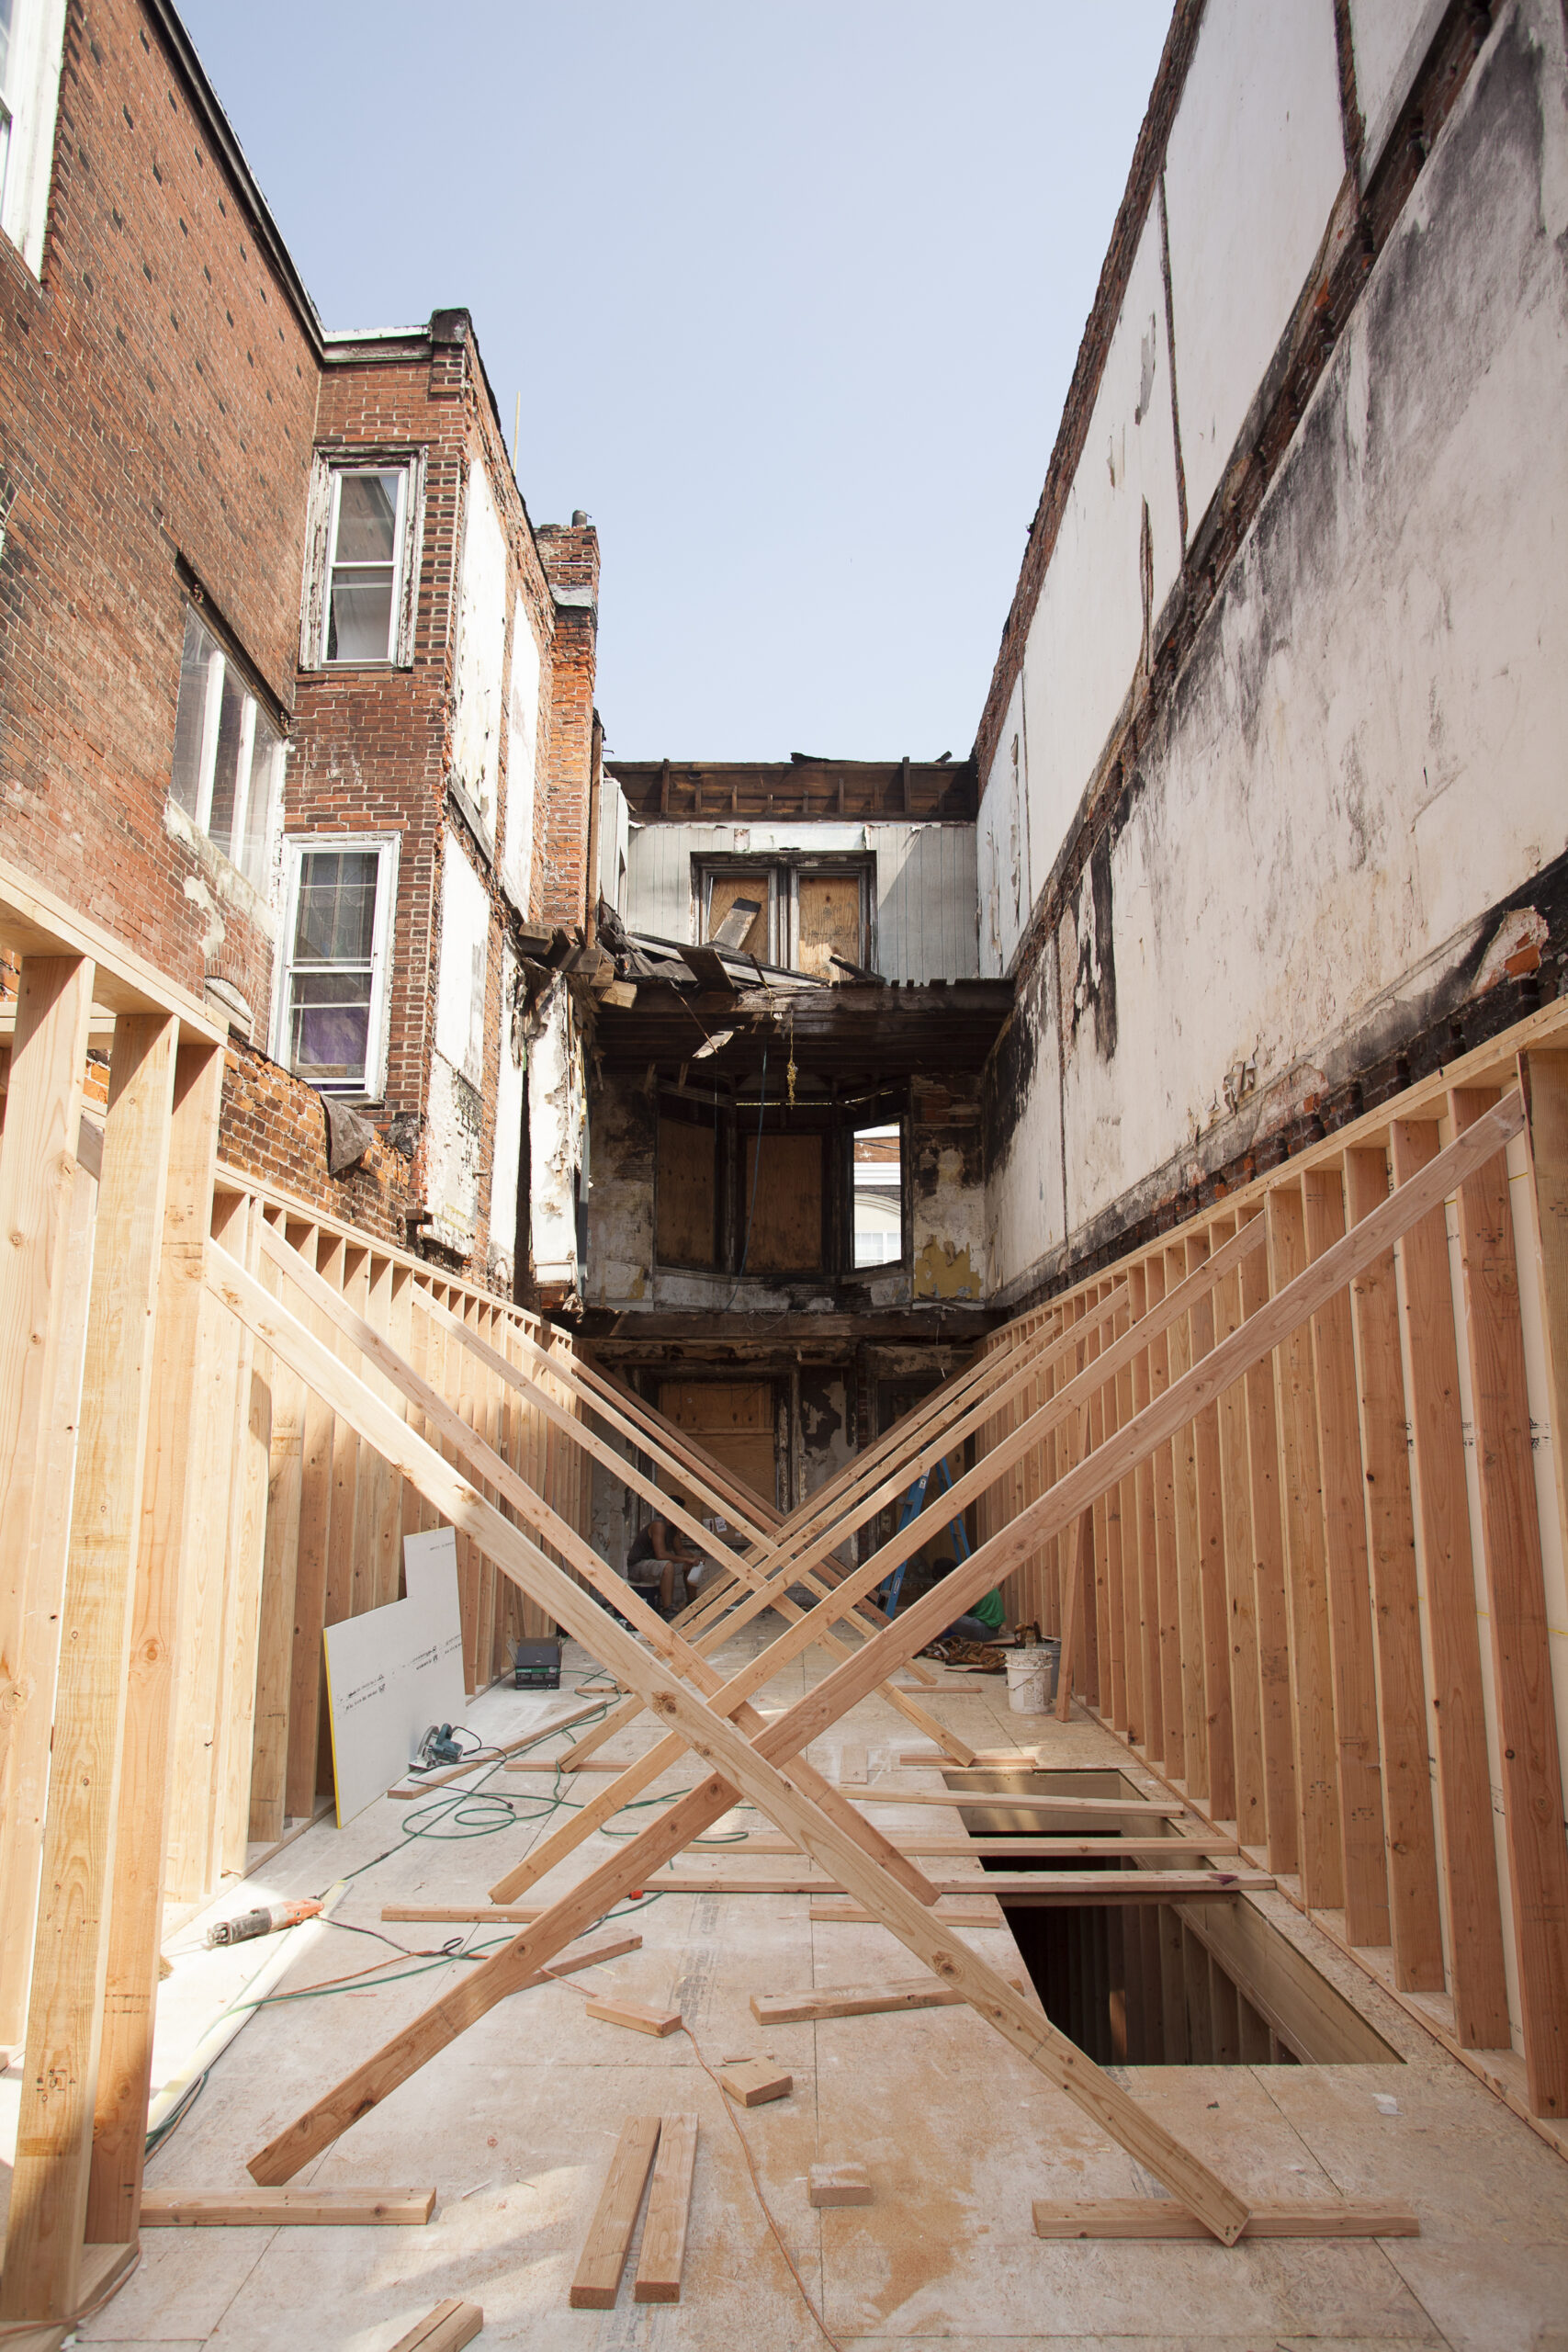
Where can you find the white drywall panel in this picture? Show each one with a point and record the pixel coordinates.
(522, 759)
(1254, 160)
(481, 647)
(511, 1064)
(392, 1672)
(460, 973)
(1389, 40)
(1087, 638)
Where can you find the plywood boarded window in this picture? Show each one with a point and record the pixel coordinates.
(786, 1214)
(723, 891)
(731, 1420)
(687, 1194)
(830, 924)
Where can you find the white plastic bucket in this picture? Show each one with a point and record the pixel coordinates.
(1031, 1678)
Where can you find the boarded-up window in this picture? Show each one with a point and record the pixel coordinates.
(724, 890)
(731, 1420)
(829, 924)
(786, 1214)
(686, 1193)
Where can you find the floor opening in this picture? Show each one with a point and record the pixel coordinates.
(1202, 1983)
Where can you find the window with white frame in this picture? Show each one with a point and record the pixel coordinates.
(227, 767)
(330, 1020)
(362, 561)
(32, 35)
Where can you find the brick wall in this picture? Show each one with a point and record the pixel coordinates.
(158, 391)
(570, 555)
(274, 1129)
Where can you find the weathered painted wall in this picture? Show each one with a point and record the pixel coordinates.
(481, 648)
(1357, 768)
(923, 918)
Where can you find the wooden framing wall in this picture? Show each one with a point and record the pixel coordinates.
(182, 1519)
(1322, 1610)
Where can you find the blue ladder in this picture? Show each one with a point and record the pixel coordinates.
(914, 1503)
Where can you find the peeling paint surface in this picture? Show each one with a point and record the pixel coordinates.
(557, 1120)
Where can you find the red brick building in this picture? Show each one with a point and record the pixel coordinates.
(293, 698)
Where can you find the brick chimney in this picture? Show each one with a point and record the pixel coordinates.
(569, 552)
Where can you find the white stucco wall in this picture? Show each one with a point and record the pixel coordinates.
(481, 647)
(511, 1070)
(1388, 40)
(1256, 158)
(460, 973)
(1363, 753)
(1001, 844)
(1086, 640)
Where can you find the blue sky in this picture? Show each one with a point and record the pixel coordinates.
(790, 293)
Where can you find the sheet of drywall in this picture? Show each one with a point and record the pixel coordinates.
(394, 1671)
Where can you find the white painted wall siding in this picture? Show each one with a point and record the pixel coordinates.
(926, 891)
(1363, 754)
(1086, 637)
(32, 94)
(460, 975)
(1389, 39)
(481, 648)
(521, 754)
(1001, 844)
(507, 1161)
(614, 844)
(1256, 158)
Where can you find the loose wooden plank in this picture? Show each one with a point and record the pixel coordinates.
(833, 1912)
(1068, 1886)
(986, 1760)
(1521, 1661)
(833, 2185)
(856, 2000)
(754, 2082)
(663, 2250)
(1174, 1850)
(130, 1985)
(1438, 1447)
(609, 2235)
(48, 2194)
(612, 2008)
(1164, 2217)
(1136, 1810)
(295, 2209)
(1415, 1918)
(446, 2328)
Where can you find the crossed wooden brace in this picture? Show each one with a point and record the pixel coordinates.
(798, 1802)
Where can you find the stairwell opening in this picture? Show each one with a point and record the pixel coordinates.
(1211, 1983)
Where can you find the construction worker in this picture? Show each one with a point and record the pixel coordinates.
(656, 1552)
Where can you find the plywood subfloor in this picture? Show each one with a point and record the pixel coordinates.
(514, 2126)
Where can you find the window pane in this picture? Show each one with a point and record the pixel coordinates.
(366, 518)
(879, 1196)
(329, 1026)
(185, 784)
(220, 824)
(266, 765)
(359, 623)
(336, 919)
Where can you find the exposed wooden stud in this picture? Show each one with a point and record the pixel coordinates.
(1478, 1986)
(1240, 1586)
(1281, 1804)
(1521, 1659)
(130, 1985)
(49, 2192)
(1416, 1922)
(1214, 1590)
(1321, 1855)
(1349, 1588)
(1189, 1600)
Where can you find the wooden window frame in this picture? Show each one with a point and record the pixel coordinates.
(887, 1110)
(783, 871)
(835, 1123)
(321, 540)
(297, 847)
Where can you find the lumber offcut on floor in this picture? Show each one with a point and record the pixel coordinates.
(958, 2137)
